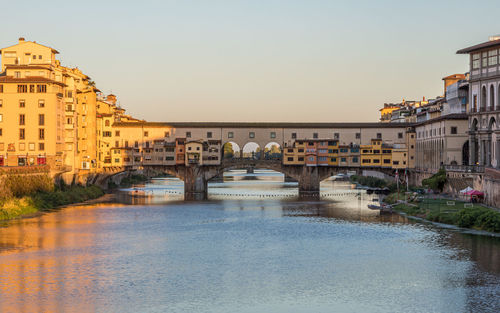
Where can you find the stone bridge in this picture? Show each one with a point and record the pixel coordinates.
(196, 178)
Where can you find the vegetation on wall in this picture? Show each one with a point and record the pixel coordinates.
(437, 181)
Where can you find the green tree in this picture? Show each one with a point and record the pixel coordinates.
(228, 150)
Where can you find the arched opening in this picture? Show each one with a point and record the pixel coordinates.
(251, 151)
(465, 153)
(272, 151)
(498, 97)
(473, 126)
(231, 150)
(483, 99)
(494, 148)
(492, 98)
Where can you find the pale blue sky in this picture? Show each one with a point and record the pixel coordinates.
(258, 60)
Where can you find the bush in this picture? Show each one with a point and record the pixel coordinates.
(370, 181)
(436, 182)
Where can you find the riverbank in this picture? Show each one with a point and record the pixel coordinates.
(452, 212)
(16, 207)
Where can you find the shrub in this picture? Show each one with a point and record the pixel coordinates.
(436, 182)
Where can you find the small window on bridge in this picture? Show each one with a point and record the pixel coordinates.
(273, 134)
(294, 135)
(251, 135)
(188, 134)
(209, 134)
(230, 135)
(358, 135)
(315, 135)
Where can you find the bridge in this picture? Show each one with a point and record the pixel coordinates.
(196, 177)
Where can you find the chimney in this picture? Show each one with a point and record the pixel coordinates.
(21, 39)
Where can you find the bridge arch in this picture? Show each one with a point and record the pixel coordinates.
(231, 150)
(252, 150)
(273, 151)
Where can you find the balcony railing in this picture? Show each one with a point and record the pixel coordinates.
(465, 168)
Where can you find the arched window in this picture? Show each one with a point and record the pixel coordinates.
(498, 97)
(483, 99)
(492, 98)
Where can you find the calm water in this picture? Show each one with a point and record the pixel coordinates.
(252, 248)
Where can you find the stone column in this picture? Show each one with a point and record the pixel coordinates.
(497, 152)
(488, 151)
(309, 183)
(472, 150)
(481, 152)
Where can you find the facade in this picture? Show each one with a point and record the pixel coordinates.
(484, 99)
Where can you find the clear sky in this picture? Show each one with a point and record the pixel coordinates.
(257, 60)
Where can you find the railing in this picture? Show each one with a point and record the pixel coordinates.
(465, 168)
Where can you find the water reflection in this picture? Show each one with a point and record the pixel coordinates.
(246, 253)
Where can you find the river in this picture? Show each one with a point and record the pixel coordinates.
(252, 247)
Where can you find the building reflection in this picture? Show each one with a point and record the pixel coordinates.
(47, 257)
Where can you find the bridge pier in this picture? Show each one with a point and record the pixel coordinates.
(250, 170)
(195, 183)
(309, 183)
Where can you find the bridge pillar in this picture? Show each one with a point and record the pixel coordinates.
(309, 183)
(195, 183)
(250, 170)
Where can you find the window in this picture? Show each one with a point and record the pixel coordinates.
(41, 134)
(395, 162)
(21, 133)
(188, 134)
(400, 135)
(136, 144)
(290, 158)
(41, 103)
(343, 159)
(453, 130)
(358, 135)
(1, 103)
(376, 161)
(484, 63)
(41, 146)
(41, 88)
(230, 135)
(379, 135)
(17, 74)
(22, 103)
(126, 143)
(209, 134)
(315, 135)
(492, 57)
(117, 144)
(387, 161)
(39, 57)
(475, 61)
(355, 159)
(1, 88)
(106, 134)
(273, 135)
(301, 159)
(107, 123)
(1, 133)
(31, 146)
(1, 118)
(336, 135)
(22, 119)
(146, 134)
(294, 135)
(41, 119)
(167, 134)
(251, 135)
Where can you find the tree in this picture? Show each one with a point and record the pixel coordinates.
(228, 150)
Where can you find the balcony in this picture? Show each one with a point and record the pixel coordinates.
(465, 168)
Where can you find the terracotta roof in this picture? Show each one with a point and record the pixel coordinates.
(26, 41)
(480, 46)
(31, 79)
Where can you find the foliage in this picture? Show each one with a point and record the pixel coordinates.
(133, 180)
(12, 207)
(440, 210)
(481, 218)
(228, 150)
(18, 185)
(370, 181)
(436, 182)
